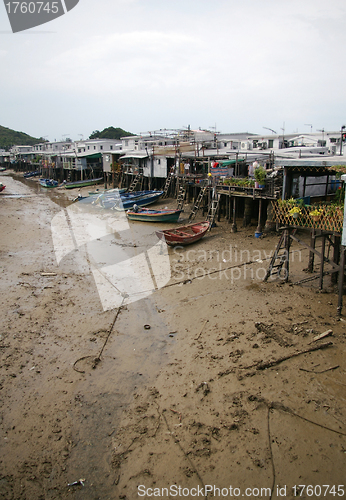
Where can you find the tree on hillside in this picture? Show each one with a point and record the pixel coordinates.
(110, 133)
(9, 138)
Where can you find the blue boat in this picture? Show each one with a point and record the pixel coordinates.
(27, 175)
(126, 201)
(48, 183)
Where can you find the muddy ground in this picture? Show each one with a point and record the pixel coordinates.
(200, 386)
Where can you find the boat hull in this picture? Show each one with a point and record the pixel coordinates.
(79, 184)
(184, 235)
(48, 183)
(147, 215)
(27, 175)
(126, 203)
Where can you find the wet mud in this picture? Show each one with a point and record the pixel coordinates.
(206, 380)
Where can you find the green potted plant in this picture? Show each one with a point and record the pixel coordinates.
(260, 176)
(295, 212)
(316, 214)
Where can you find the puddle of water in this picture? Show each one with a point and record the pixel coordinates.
(9, 195)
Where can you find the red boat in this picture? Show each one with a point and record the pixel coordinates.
(2, 187)
(184, 235)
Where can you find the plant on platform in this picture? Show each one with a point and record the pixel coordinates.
(317, 212)
(295, 210)
(260, 175)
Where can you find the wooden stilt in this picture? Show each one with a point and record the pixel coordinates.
(287, 251)
(259, 224)
(341, 279)
(228, 209)
(234, 225)
(322, 261)
(247, 212)
(312, 254)
(336, 256)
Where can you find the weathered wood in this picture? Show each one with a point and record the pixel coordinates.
(275, 362)
(341, 279)
(247, 212)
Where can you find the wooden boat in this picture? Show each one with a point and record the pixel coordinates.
(126, 201)
(107, 191)
(107, 199)
(2, 187)
(48, 183)
(27, 175)
(83, 183)
(149, 215)
(184, 235)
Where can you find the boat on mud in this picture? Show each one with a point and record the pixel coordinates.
(124, 201)
(184, 235)
(150, 215)
(82, 183)
(48, 183)
(128, 200)
(27, 175)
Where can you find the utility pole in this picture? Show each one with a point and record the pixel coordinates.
(283, 136)
(322, 130)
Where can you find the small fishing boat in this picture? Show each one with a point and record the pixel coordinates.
(107, 191)
(149, 215)
(27, 175)
(48, 183)
(127, 200)
(184, 235)
(2, 187)
(83, 183)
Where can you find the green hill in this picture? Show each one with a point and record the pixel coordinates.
(110, 133)
(9, 138)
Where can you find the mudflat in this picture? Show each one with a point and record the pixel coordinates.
(213, 385)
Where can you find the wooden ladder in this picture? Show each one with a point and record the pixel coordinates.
(168, 183)
(280, 259)
(198, 202)
(181, 197)
(213, 208)
(134, 183)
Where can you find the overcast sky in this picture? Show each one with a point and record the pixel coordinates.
(144, 65)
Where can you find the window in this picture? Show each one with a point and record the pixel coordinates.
(101, 147)
(110, 147)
